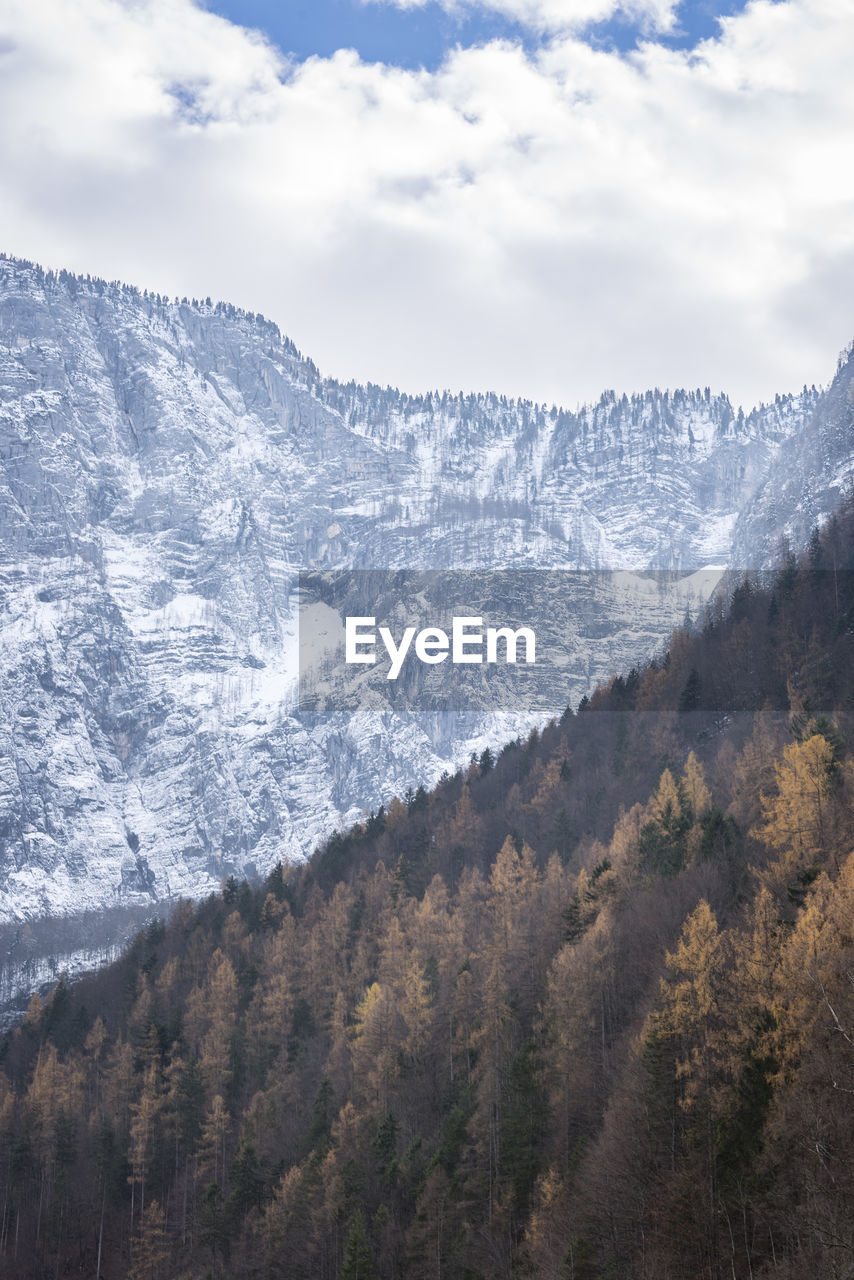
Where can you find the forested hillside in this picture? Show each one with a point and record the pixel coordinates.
(585, 1010)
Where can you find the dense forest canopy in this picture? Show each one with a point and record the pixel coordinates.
(585, 1010)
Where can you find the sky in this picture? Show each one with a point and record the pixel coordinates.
(542, 198)
(421, 35)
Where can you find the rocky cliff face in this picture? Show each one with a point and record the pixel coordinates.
(167, 470)
(808, 476)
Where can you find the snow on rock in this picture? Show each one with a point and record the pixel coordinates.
(166, 469)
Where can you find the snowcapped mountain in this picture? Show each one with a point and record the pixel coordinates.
(168, 468)
(810, 473)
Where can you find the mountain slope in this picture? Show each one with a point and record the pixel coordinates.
(810, 475)
(167, 469)
(466, 1041)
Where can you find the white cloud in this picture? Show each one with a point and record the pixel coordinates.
(556, 15)
(545, 225)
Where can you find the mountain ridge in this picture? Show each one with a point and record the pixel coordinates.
(167, 470)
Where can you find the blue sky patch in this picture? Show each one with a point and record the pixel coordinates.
(422, 37)
(379, 33)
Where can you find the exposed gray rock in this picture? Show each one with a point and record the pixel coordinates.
(167, 469)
